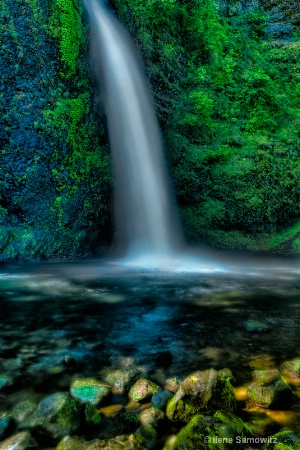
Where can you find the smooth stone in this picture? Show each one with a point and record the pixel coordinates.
(123, 442)
(123, 379)
(291, 369)
(56, 416)
(6, 425)
(90, 390)
(206, 391)
(161, 398)
(20, 441)
(269, 390)
(142, 390)
(151, 417)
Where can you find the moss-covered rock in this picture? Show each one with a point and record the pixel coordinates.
(151, 417)
(269, 390)
(285, 439)
(205, 391)
(56, 416)
(145, 438)
(291, 369)
(90, 390)
(142, 390)
(122, 379)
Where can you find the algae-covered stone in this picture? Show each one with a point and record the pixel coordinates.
(255, 326)
(142, 390)
(5, 381)
(145, 438)
(205, 432)
(291, 368)
(269, 390)
(285, 439)
(90, 390)
(92, 415)
(20, 441)
(161, 398)
(123, 442)
(123, 379)
(56, 416)
(151, 417)
(206, 391)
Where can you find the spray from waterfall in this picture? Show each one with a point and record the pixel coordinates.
(146, 223)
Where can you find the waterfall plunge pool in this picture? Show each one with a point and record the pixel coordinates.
(105, 315)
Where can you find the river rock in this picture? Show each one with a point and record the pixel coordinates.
(20, 441)
(142, 390)
(291, 369)
(151, 417)
(123, 379)
(145, 438)
(23, 409)
(56, 416)
(255, 326)
(205, 391)
(6, 425)
(203, 432)
(5, 381)
(285, 439)
(161, 398)
(90, 390)
(70, 443)
(269, 390)
(123, 442)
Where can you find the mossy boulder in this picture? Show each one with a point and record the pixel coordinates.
(291, 369)
(122, 379)
(142, 390)
(19, 441)
(205, 432)
(269, 390)
(90, 390)
(56, 416)
(285, 439)
(201, 392)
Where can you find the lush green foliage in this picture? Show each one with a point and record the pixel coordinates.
(228, 103)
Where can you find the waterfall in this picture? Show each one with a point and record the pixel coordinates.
(146, 223)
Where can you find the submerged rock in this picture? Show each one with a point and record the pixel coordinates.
(142, 390)
(5, 381)
(255, 326)
(205, 391)
(90, 390)
(269, 390)
(291, 369)
(123, 379)
(23, 409)
(20, 441)
(56, 416)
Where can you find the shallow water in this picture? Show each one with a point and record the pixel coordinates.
(108, 315)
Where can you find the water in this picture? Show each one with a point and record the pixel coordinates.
(107, 316)
(145, 217)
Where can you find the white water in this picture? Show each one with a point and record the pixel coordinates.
(146, 225)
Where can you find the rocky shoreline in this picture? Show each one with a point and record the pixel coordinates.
(124, 410)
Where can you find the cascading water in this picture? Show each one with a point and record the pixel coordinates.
(146, 222)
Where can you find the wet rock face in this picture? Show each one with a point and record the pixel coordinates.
(123, 379)
(291, 369)
(90, 390)
(142, 390)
